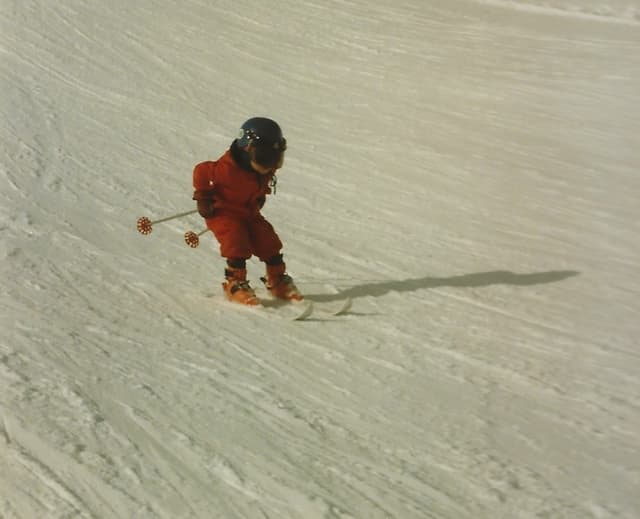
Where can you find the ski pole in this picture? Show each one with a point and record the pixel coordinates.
(145, 225)
(192, 239)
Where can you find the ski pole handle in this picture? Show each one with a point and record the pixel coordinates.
(145, 225)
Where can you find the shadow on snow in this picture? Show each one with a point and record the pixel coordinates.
(480, 279)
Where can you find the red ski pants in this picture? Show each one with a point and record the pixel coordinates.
(245, 237)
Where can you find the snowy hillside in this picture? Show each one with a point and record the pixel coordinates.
(466, 170)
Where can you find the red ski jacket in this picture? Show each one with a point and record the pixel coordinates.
(236, 191)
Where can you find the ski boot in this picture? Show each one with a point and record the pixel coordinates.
(237, 288)
(280, 284)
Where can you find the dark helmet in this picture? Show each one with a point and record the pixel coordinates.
(264, 138)
(259, 131)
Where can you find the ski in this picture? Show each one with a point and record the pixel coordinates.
(342, 307)
(305, 310)
(312, 308)
(297, 310)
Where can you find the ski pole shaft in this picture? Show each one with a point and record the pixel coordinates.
(145, 225)
(175, 216)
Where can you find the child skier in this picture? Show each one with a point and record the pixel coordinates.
(230, 193)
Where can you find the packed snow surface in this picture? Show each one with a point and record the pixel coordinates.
(467, 171)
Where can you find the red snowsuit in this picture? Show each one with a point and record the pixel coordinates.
(238, 196)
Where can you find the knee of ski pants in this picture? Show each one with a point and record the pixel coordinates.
(265, 240)
(243, 238)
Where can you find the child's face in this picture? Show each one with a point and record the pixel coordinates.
(275, 159)
(261, 169)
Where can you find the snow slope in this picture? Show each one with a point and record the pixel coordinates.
(466, 171)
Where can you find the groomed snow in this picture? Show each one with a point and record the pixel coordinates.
(466, 170)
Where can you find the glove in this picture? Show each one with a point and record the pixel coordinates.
(205, 201)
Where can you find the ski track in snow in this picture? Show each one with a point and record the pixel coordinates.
(465, 171)
(609, 11)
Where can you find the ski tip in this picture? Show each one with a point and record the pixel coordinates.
(346, 306)
(306, 311)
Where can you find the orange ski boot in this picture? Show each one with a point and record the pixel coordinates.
(237, 288)
(280, 284)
